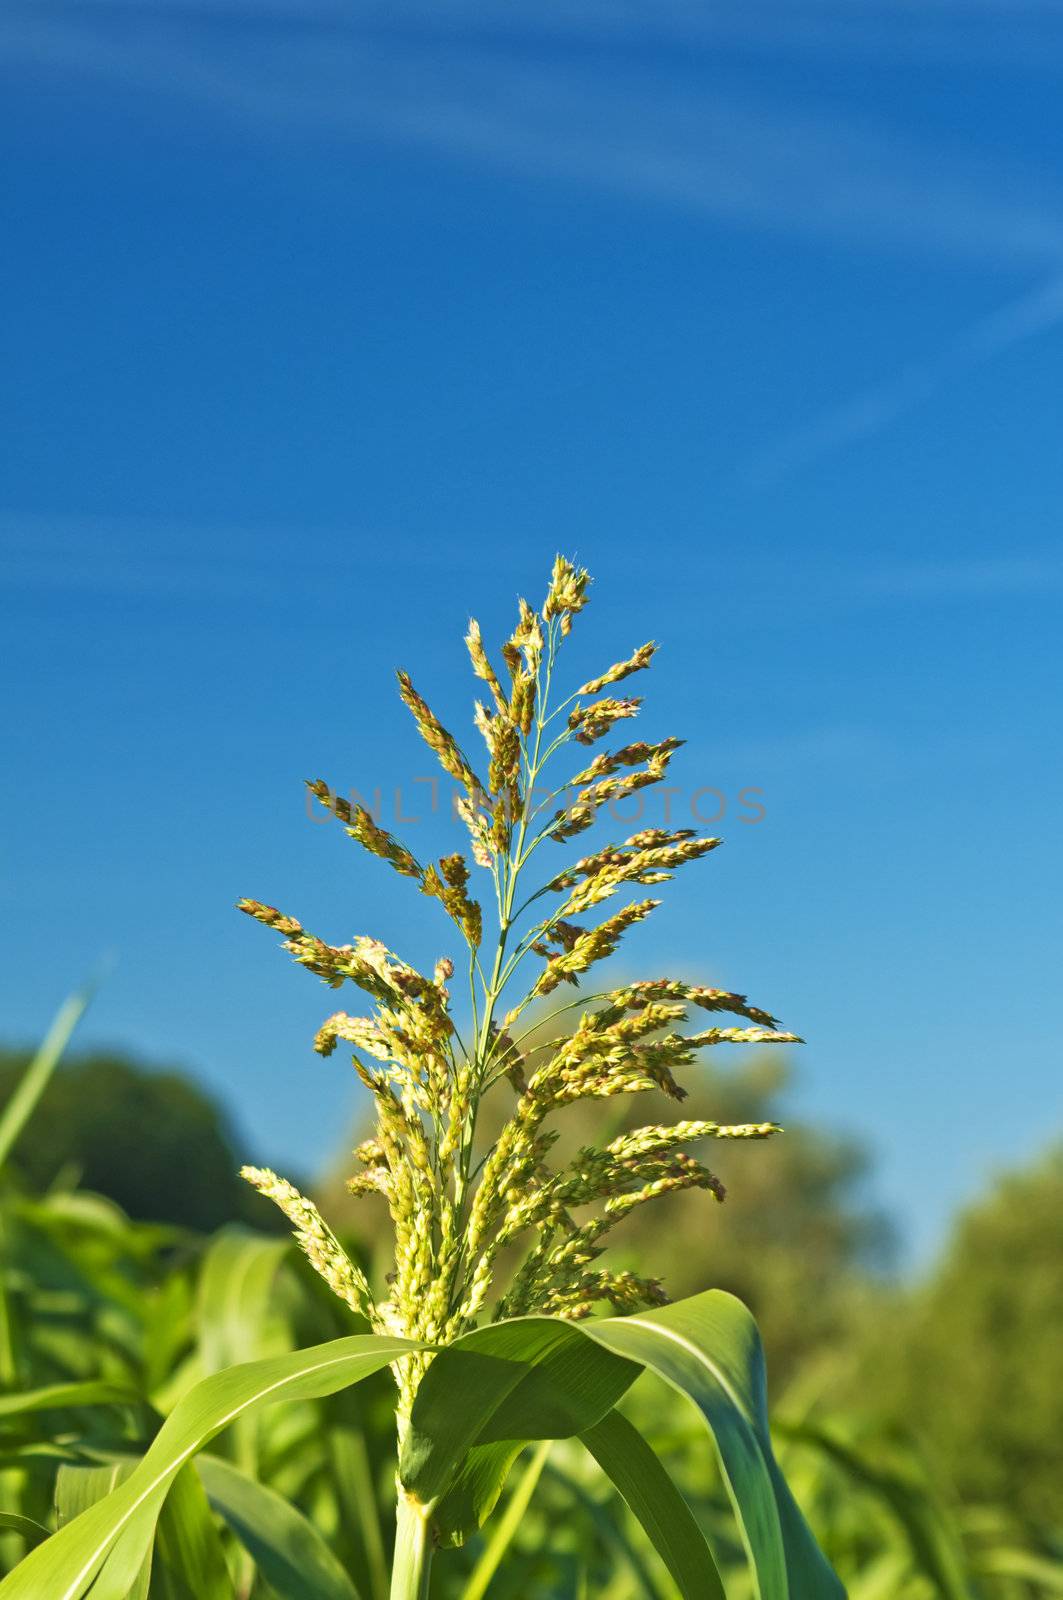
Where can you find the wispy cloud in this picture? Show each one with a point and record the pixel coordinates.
(1004, 577)
(618, 124)
(172, 560)
(874, 409)
(472, 83)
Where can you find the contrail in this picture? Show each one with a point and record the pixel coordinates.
(870, 412)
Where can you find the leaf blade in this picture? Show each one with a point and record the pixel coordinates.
(117, 1533)
(57, 1396)
(34, 1080)
(529, 1378)
(635, 1470)
(287, 1549)
(708, 1348)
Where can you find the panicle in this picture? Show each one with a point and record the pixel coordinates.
(527, 640)
(583, 811)
(593, 722)
(629, 755)
(502, 735)
(647, 857)
(360, 826)
(567, 593)
(584, 948)
(454, 1210)
(270, 917)
(481, 838)
(448, 886)
(621, 670)
(482, 666)
(317, 1241)
(650, 990)
(437, 738)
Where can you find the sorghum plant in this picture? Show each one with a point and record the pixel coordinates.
(486, 1360)
(454, 1206)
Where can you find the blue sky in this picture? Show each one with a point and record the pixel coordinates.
(327, 325)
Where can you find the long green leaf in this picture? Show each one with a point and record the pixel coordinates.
(614, 1536)
(34, 1080)
(357, 1501)
(475, 1490)
(629, 1462)
(189, 1562)
(475, 1395)
(288, 1550)
(56, 1396)
(234, 1324)
(1027, 1567)
(111, 1539)
(709, 1349)
(78, 1486)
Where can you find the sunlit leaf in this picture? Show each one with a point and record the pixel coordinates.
(288, 1550)
(34, 1080)
(111, 1539)
(632, 1466)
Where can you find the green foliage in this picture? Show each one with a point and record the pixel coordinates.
(978, 1359)
(889, 1532)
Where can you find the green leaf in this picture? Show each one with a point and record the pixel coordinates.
(34, 1080)
(111, 1539)
(613, 1535)
(32, 1532)
(539, 1377)
(57, 1396)
(78, 1486)
(1027, 1566)
(189, 1562)
(629, 1462)
(531, 1378)
(709, 1349)
(354, 1486)
(475, 1491)
(288, 1550)
(233, 1302)
(507, 1525)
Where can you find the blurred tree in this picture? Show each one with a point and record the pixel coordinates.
(794, 1239)
(974, 1360)
(151, 1141)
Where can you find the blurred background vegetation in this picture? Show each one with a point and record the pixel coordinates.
(921, 1416)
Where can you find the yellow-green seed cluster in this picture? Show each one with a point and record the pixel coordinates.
(458, 1212)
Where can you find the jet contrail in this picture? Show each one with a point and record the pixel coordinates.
(868, 413)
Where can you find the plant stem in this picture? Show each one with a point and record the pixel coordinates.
(502, 970)
(412, 1565)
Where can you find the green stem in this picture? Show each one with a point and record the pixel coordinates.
(412, 1565)
(502, 970)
